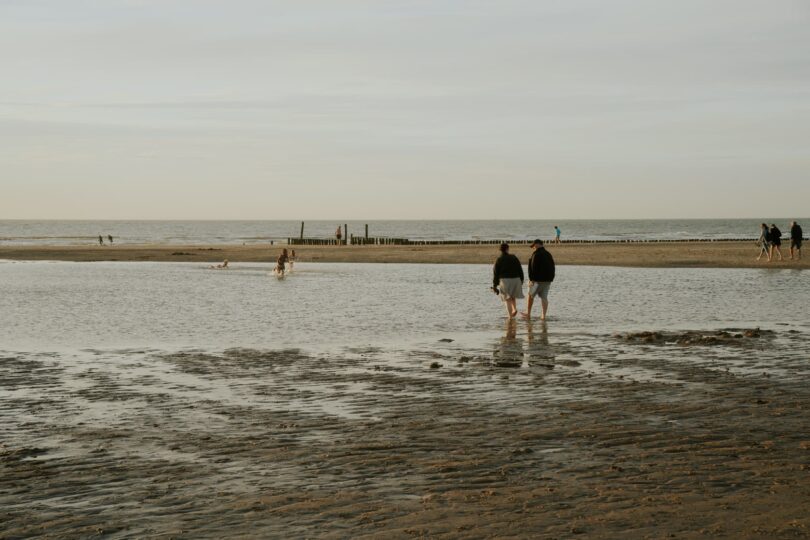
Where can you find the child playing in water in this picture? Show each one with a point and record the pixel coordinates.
(281, 263)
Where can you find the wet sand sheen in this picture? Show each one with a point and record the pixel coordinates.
(535, 435)
(654, 255)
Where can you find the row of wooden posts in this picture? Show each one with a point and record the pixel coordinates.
(390, 241)
(367, 240)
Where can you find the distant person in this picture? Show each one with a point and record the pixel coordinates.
(224, 265)
(764, 242)
(776, 241)
(281, 263)
(507, 279)
(100, 240)
(292, 259)
(338, 234)
(557, 234)
(541, 273)
(110, 238)
(796, 240)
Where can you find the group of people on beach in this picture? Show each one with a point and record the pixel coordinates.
(770, 241)
(101, 239)
(508, 278)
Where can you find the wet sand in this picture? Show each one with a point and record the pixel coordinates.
(530, 435)
(672, 255)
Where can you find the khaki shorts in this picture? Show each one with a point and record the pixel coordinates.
(540, 288)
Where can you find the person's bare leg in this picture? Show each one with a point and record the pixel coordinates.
(508, 308)
(544, 303)
(779, 251)
(511, 306)
(528, 313)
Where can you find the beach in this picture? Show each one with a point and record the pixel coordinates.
(632, 439)
(165, 399)
(642, 255)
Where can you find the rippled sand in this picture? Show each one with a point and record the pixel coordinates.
(532, 435)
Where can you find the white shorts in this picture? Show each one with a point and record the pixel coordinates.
(540, 288)
(511, 288)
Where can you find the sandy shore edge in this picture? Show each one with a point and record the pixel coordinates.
(656, 255)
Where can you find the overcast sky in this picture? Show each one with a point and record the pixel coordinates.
(369, 109)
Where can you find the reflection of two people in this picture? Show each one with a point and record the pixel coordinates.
(510, 350)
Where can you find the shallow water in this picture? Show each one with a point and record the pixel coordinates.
(62, 305)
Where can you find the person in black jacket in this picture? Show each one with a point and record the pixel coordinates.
(776, 241)
(542, 271)
(796, 240)
(507, 280)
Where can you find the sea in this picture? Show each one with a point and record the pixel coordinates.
(56, 232)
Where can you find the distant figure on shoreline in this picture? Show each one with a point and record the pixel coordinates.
(542, 271)
(292, 259)
(776, 241)
(764, 242)
(110, 238)
(338, 234)
(100, 240)
(507, 279)
(281, 263)
(222, 266)
(796, 237)
(557, 233)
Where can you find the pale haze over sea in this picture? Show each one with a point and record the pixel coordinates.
(584, 109)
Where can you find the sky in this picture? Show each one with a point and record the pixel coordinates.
(376, 109)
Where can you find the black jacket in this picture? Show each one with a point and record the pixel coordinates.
(796, 232)
(541, 266)
(507, 266)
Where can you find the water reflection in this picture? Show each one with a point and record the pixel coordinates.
(513, 350)
(538, 348)
(509, 350)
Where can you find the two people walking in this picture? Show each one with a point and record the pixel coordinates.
(508, 277)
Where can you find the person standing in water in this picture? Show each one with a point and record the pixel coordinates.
(100, 240)
(796, 237)
(776, 241)
(110, 238)
(338, 234)
(292, 259)
(541, 273)
(764, 242)
(281, 263)
(557, 233)
(507, 279)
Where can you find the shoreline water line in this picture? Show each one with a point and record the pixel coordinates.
(731, 254)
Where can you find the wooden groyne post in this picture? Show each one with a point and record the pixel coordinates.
(302, 231)
(366, 231)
